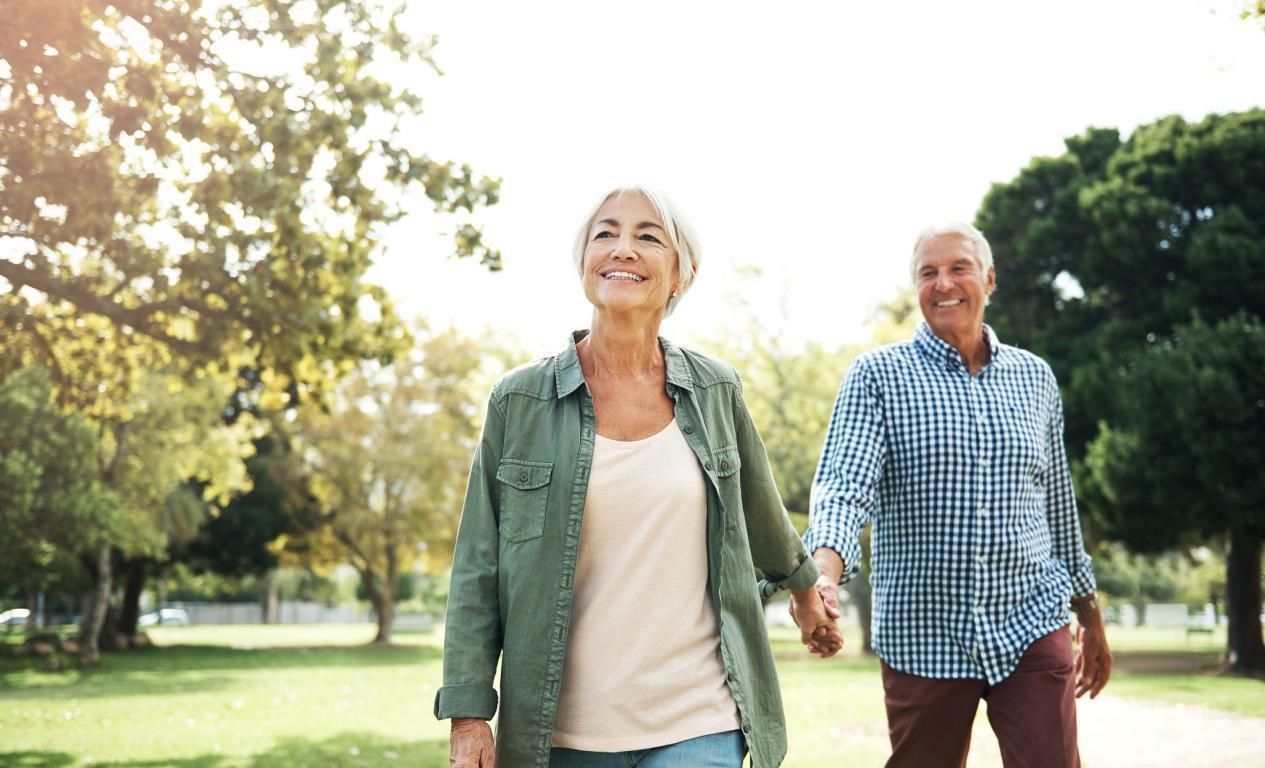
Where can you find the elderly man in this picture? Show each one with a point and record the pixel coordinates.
(952, 445)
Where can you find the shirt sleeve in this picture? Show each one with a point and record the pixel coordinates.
(473, 632)
(776, 549)
(1065, 524)
(845, 488)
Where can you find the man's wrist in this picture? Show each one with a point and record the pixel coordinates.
(829, 563)
(1085, 605)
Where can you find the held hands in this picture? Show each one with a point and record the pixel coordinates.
(814, 611)
(471, 744)
(823, 637)
(1093, 662)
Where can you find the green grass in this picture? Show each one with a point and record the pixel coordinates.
(287, 696)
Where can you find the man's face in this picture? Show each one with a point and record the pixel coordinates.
(952, 287)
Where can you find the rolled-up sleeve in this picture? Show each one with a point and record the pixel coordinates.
(776, 549)
(472, 635)
(844, 495)
(1064, 521)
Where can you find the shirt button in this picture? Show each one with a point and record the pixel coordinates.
(983, 511)
(979, 559)
(978, 608)
(688, 429)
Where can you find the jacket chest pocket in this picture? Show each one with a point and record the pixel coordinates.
(524, 498)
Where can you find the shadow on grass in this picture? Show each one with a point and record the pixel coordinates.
(361, 750)
(36, 759)
(190, 668)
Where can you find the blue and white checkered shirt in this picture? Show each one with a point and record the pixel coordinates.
(976, 545)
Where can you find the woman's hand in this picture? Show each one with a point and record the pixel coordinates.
(471, 744)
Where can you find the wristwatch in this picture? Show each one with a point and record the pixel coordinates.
(1083, 605)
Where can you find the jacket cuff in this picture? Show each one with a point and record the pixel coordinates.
(804, 576)
(465, 700)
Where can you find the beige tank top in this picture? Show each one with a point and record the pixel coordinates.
(643, 664)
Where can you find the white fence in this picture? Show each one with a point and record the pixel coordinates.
(288, 612)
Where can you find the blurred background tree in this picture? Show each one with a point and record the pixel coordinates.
(190, 196)
(1134, 267)
(387, 459)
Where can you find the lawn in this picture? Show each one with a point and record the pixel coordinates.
(292, 696)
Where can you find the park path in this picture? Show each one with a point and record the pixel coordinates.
(1121, 732)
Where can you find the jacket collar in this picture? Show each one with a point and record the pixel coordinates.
(568, 376)
(937, 350)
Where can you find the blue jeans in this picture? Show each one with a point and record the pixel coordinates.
(716, 750)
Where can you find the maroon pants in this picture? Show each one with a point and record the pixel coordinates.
(1033, 712)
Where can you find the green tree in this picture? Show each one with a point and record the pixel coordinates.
(207, 182)
(164, 456)
(1134, 268)
(387, 461)
(49, 488)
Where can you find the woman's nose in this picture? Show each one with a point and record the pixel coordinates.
(624, 249)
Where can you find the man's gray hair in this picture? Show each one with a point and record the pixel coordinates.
(979, 245)
(680, 233)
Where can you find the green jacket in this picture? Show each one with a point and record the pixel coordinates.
(514, 564)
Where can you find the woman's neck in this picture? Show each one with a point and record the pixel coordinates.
(613, 348)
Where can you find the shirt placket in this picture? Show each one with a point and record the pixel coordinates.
(985, 450)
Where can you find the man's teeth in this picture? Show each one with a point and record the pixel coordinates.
(953, 303)
(624, 276)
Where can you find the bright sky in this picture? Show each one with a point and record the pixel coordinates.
(809, 139)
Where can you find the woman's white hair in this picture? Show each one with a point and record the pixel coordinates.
(680, 233)
(979, 245)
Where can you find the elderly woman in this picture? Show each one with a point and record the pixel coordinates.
(619, 503)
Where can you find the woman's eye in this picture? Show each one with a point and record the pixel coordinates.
(603, 234)
(651, 238)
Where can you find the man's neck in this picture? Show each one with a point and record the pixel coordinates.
(974, 348)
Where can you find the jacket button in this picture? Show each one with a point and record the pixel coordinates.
(688, 429)
(708, 466)
(724, 464)
(522, 478)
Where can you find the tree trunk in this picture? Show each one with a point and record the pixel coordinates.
(1245, 651)
(272, 588)
(135, 584)
(1139, 609)
(382, 597)
(32, 605)
(94, 613)
(860, 595)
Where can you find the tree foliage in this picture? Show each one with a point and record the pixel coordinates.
(207, 182)
(1133, 266)
(387, 461)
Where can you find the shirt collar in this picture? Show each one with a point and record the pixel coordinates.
(937, 349)
(568, 376)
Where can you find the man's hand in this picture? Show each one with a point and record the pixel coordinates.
(471, 744)
(1093, 663)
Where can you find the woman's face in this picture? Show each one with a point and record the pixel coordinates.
(629, 262)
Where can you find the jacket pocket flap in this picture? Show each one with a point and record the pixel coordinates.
(524, 475)
(726, 461)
